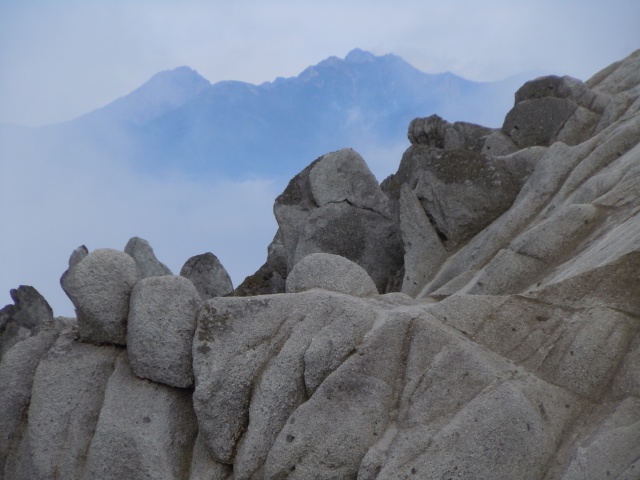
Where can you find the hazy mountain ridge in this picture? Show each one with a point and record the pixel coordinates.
(178, 120)
(164, 92)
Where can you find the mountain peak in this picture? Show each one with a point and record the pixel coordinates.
(182, 76)
(163, 92)
(358, 55)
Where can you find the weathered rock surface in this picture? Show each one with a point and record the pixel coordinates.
(162, 319)
(76, 257)
(436, 132)
(513, 352)
(461, 191)
(423, 248)
(66, 399)
(336, 206)
(208, 275)
(17, 369)
(285, 345)
(21, 320)
(145, 430)
(330, 272)
(146, 261)
(99, 287)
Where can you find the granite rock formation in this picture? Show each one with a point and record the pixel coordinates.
(336, 206)
(208, 275)
(146, 261)
(511, 350)
(22, 319)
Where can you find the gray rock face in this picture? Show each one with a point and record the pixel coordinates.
(145, 430)
(546, 110)
(330, 272)
(146, 261)
(20, 320)
(336, 206)
(162, 319)
(99, 287)
(537, 122)
(423, 248)
(352, 388)
(577, 180)
(204, 467)
(286, 345)
(66, 399)
(436, 132)
(343, 176)
(208, 275)
(461, 191)
(17, 369)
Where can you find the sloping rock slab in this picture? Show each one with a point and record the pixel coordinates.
(145, 430)
(322, 385)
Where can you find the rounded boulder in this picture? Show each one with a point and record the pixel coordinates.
(99, 287)
(162, 321)
(330, 272)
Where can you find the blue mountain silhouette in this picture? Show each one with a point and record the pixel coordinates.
(179, 121)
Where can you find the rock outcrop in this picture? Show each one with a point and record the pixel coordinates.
(336, 206)
(99, 286)
(330, 272)
(208, 275)
(511, 351)
(160, 326)
(146, 261)
(22, 319)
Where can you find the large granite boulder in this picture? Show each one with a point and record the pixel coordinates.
(336, 206)
(285, 346)
(99, 286)
(161, 322)
(146, 261)
(365, 388)
(330, 272)
(556, 218)
(208, 275)
(461, 191)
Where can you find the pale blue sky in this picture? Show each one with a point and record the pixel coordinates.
(61, 59)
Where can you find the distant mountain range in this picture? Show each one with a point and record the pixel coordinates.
(180, 121)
